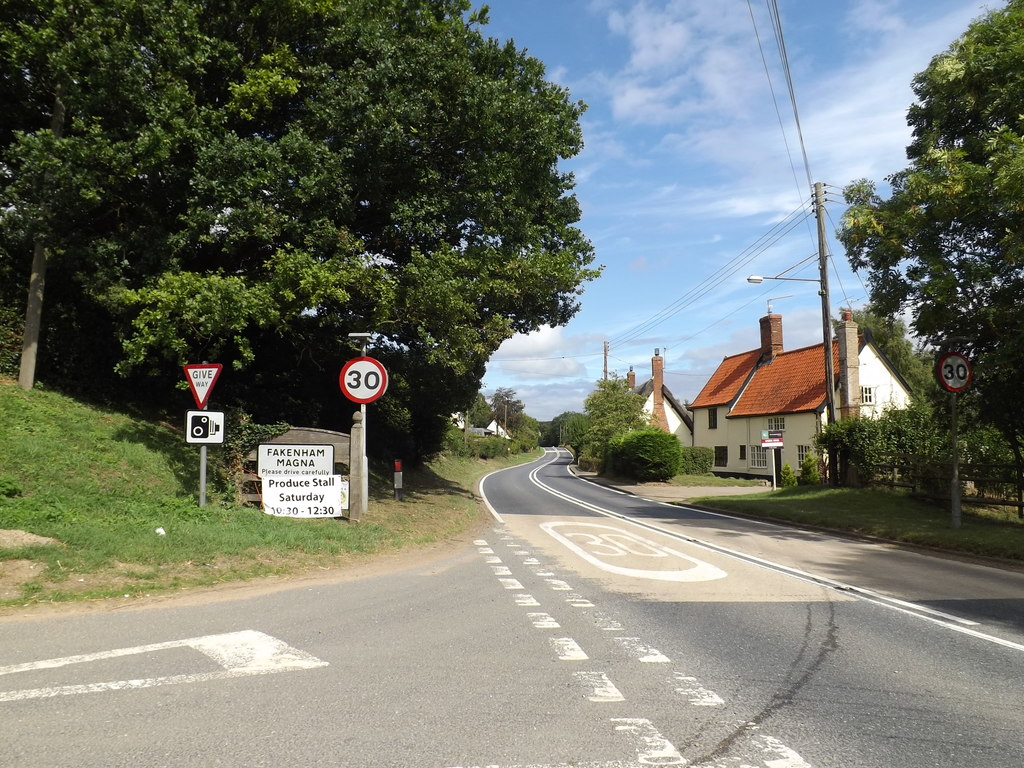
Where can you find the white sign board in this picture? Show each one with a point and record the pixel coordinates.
(204, 427)
(276, 460)
(305, 495)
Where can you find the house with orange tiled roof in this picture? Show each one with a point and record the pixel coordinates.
(770, 389)
(661, 406)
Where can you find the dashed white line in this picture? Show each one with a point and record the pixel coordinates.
(695, 693)
(643, 652)
(577, 600)
(598, 687)
(510, 583)
(501, 570)
(567, 649)
(542, 621)
(651, 747)
(607, 623)
(527, 601)
(558, 585)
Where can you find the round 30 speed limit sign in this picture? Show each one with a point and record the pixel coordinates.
(954, 372)
(363, 379)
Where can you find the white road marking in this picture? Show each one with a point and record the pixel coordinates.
(241, 654)
(492, 559)
(643, 652)
(522, 553)
(607, 623)
(543, 573)
(597, 543)
(598, 687)
(768, 752)
(558, 585)
(543, 621)
(501, 570)
(695, 693)
(510, 584)
(577, 600)
(531, 561)
(651, 747)
(526, 601)
(480, 543)
(567, 649)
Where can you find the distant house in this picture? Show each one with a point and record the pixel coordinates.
(769, 389)
(661, 406)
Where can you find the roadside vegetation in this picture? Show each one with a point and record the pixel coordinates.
(97, 504)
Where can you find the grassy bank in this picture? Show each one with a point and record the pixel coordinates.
(889, 515)
(93, 487)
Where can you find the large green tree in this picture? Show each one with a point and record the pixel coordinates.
(248, 182)
(947, 245)
(613, 409)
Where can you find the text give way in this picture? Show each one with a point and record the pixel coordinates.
(239, 654)
(609, 547)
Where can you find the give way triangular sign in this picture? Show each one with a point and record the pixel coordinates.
(201, 378)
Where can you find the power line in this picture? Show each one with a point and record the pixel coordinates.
(716, 278)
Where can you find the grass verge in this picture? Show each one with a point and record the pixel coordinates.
(98, 487)
(883, 514)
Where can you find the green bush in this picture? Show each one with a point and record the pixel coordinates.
(696, 460)
(809, 474)
(645, 455)
(787, 478)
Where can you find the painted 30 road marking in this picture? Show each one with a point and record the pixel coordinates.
(600, 544)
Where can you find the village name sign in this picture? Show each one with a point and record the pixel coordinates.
(299, 481)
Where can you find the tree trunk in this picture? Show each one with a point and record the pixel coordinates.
(37, 280)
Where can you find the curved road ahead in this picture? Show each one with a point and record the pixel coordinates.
(584, 628)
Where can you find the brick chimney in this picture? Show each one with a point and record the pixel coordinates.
(849, 368)
(631, 378)
(771, 337)
(658, 415)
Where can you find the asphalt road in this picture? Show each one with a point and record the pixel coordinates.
(584, 628)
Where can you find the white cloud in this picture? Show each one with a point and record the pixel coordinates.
(543, 354)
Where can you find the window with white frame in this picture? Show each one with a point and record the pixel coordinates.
(758, 457)
(801, 453)
(867, 395)
(776, 423)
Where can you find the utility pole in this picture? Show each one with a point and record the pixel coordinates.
(826, 323)
(606, 361)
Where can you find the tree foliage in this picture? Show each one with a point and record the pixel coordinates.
(567, 428)
(507, 409)
(250, 182)
(614, 409)
(947, 246)
(645, 455)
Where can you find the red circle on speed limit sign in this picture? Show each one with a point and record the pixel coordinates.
(954, 372)
(363, 379)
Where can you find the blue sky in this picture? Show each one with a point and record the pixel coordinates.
(690, 166)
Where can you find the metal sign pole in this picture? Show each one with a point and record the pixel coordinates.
(954, 485)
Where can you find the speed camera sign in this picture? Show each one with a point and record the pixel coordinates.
(363, 379)
(954, 372)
